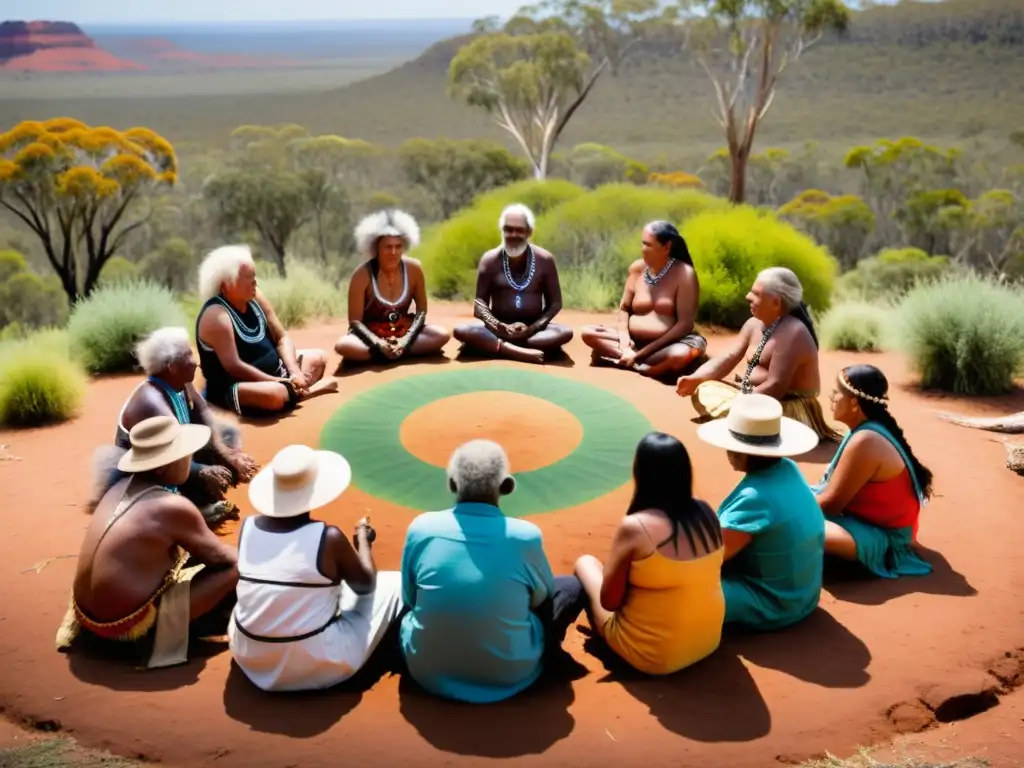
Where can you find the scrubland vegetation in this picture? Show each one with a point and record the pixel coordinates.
(890, 236)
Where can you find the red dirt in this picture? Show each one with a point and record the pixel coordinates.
(826, 684)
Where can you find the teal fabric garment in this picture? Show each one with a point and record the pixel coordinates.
(775, 580)
(472, 578)
(886, 552)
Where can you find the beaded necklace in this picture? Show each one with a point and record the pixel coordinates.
(381, 299)
(179, 403)
(247, 334)
(745, 387)
(530, 268)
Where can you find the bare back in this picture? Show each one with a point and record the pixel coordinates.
(658, 529)
(131, 560)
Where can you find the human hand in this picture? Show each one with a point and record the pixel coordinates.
(392, 349)
(243, 464)
(365, 532)
(299, 383)
(627, 359)
(216, 479)
(518, 330)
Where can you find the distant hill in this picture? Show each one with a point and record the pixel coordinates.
(948, 71)
(54, 46)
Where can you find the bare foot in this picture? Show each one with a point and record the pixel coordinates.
(522, 354)
(323, 387)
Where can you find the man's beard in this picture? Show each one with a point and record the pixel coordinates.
(517, 250)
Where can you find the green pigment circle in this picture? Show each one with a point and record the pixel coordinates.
(366, 430)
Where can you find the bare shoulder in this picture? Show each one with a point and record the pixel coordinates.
(361, 274)
(794, 332)
(637, 267)
(489, 260)
(413, 265)
(542, 254)
(753, 327)
(173, 508)
(214, 316)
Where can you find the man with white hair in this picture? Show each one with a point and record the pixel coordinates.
(248, 360)
(784, 364)
(382, 326)
(485, 615)
(166, 358)
(518, 295)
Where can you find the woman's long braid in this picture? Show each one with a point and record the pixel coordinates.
(880, 412)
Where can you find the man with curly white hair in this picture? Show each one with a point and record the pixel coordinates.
(382, 326)
(166, 358)
(486, 617)
(248, 360)
(518, 295)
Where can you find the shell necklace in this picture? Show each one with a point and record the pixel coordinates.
(519, 287)
(655, 279)
(755, 358)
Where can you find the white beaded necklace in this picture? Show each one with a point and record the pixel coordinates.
(655, 279)
(381, 299)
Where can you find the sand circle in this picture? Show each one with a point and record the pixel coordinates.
(535, 433)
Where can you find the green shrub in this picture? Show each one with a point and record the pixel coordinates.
(303, 296)
(118, 270)
(174, 265)
(32, 301)
(39, 383)
(891, 273)
(964, 334)
(730, 247)
(856, 326)
(105, 327)
(451, 251)
(592, 227)
(587, 289)
(11, 263)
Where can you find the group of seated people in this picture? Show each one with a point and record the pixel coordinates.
(251, 366)
(475, 612)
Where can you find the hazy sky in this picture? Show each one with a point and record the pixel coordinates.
(102, 11)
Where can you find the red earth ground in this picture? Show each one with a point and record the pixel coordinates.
(854, 674)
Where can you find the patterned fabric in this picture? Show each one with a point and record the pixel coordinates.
(714, 398)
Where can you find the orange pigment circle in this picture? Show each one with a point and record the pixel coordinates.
(533, 432)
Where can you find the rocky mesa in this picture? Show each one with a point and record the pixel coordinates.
(54, 46)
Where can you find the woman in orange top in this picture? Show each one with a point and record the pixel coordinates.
(658, 601)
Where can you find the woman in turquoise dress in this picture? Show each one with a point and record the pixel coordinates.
(873, 491)
(772, 527)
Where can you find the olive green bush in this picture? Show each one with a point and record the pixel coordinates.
(39, 383)
(964, 334)
(730, 247)
(891, 273)
(856, 326)
(105, 327)
(303, 296)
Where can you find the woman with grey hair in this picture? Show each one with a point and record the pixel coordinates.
(382, 326)
(485, 614)
(784, 364)
(166, 358)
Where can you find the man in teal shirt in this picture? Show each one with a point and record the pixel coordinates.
(485, 611)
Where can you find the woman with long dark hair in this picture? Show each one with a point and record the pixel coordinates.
(658, 600)
(655, 335)
(873, 491)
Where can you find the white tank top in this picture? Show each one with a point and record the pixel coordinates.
(281, 593)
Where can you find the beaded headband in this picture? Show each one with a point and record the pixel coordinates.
(862, 395)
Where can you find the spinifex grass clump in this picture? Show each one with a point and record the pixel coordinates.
(104, 328)
(39, 383)
(304, 296)
(856, 326)
(964, 334)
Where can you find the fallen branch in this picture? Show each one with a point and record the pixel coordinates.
(1012, 424)
(38, 567)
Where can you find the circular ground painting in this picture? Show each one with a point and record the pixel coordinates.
(568, 442)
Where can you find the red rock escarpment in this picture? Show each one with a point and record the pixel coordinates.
(54, 46)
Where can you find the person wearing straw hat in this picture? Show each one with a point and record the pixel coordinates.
(149, 565)
(773, 529)
(311, 607)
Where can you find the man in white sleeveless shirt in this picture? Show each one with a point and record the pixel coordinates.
(311, 607)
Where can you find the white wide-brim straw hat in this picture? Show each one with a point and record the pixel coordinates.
(755, 426)
(298, 480)
(161, 440)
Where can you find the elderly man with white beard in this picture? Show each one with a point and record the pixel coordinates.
(517, 297)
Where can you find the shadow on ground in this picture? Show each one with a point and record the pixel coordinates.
(527, 724)
(853, 584)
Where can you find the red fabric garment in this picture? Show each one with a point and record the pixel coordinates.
(888, 504)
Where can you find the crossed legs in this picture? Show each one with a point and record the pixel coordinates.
(533, 349)
(604, 342)
(272, 396)
(430, 341)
